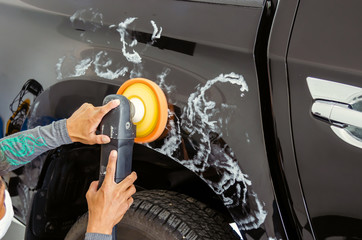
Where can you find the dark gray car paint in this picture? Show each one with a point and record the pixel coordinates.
(279, 87)
(218, 42)
(325, 43)
(224, 36)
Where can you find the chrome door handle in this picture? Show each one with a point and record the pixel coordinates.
(338, 114)
(333, 103)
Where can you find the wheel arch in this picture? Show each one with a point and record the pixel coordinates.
(155, 170)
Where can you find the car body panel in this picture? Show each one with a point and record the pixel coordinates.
(279, 87)
(325, 45)
(202, 56)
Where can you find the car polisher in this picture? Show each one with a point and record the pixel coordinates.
(141, 117)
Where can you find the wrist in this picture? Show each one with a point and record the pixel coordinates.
(98, 227)
(70, 131)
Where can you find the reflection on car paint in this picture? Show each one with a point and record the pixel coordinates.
(201, 118)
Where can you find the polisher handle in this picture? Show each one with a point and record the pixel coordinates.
(124, 148)
(118, 126)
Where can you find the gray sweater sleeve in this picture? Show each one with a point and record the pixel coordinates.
(97, 236)
(22, 147)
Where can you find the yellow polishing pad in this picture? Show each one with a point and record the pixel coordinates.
(149, 100)
(155, 114)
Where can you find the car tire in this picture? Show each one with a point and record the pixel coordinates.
(165, 215)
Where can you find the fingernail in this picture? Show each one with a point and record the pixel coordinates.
(105, 139)
(116, 101)
(113, 153)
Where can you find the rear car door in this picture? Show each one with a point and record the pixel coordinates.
(325, 80)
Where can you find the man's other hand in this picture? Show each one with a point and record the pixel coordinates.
(108, 205)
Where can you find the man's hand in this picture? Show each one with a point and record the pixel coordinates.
(2, 198)
(108, 205)
(83, 123)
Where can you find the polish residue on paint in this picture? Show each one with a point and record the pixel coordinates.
(212, 153)
(156, 32)
(100, 64)
(92, 16)
(201, 118)
(101, 67)
(133, 56)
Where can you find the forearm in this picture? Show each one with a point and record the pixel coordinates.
(22, 147)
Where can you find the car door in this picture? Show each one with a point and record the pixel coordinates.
(325, 81)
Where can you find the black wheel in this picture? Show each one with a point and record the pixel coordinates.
(165, 215)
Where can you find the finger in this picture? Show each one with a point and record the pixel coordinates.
(92, 189)
(124, 208)
(97, 139)
(103, 110)
(130, 191)
(128, 181)
(130, 201)
(111, 167)
(93, 186)
(83, 108)
(101, 139)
